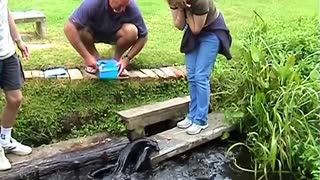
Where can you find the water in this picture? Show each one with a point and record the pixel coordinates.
(207, 162)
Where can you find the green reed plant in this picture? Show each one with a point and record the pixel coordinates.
(282, 107)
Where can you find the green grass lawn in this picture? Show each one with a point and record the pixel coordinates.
(164, 40)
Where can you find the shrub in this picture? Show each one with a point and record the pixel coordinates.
(279, 102)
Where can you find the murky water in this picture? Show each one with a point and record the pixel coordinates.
(207, 162)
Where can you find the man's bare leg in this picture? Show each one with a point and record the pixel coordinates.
(87, 39)
(9, 114)
(126, 37)
(13, 102)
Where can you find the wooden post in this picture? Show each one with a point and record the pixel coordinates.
(41, 28)
(136, 133)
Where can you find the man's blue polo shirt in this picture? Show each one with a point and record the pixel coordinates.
(103, 21)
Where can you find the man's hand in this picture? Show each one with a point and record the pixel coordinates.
(23, 48)
(123, 63)
(91, 64)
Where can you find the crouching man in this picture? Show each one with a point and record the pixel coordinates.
(114, 22)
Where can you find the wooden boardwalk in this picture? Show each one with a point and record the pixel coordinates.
(163, 73)
(176, 141)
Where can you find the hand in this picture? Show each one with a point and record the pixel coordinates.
(91, 62)
(23, 48)
(123, 63)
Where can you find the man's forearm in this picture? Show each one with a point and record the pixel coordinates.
(13, 28)
(73, 36)
(137, 47)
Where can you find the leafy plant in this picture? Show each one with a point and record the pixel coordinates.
(281, 104)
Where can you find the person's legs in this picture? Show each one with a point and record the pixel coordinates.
(11, 81)
(126, 36)
(88, 40)
(208, 50)
(4, 162)
(191, 69)
(13, 102)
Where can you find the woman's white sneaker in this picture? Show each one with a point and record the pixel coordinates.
(17, 148)
(196, 129)
(4, 162)
(184, 124)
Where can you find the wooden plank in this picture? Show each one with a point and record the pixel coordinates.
(149, 73)
(122, 77)
(182, 69)
(141, 110)
(160, 73)
(25, 16)
(75, 74)
(37, 74)
(65, 76)
(133, 74)
(89, 75)
(154, 113)
(32, 16)
(41, 28)
(137, 74)
(177, 72)
(176, 141)
(47, 160)
(168, 72)
(27, 74)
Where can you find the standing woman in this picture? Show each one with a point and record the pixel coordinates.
(205, 35)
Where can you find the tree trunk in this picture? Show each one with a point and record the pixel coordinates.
(72, 164)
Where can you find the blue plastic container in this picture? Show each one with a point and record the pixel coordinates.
(108, 69)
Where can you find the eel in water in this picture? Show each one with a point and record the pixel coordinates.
(134, 157)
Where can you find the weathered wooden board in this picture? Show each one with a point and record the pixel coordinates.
(28, 16)
(37, 74)
(150, 73)
(32, 16)
(87, 75)
(75, 74)
(160, 73)
(177, 72)
(168, 72)
(176, 141)
(28, 74)
(137, 74)
(182, 69)
(65, 156)
(154, 113)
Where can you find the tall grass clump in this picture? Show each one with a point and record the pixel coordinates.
(279, 74)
